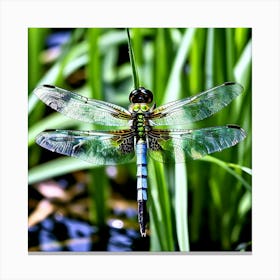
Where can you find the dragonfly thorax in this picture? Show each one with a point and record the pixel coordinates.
(140, 124)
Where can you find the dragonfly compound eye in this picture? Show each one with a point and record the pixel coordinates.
(136, 107)
(141, 95)
(144, 108)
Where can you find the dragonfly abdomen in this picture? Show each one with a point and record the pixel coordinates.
(142, 185)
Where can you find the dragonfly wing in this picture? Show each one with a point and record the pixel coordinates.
(197, 107)
(99, 148)
(182, 144)
(82, 108)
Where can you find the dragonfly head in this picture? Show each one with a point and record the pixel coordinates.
(141, 95)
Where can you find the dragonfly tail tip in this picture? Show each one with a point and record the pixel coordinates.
(143, 233)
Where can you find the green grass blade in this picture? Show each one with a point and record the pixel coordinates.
(243, 168)
(197, 58)
(226, 166)
(54, 168)
(209, 63)
(160, 209)
(99, 182)
(181, 204)
(173, 86)
(132, 61)
(230, 53)
(36, 43)
(162, 47)
(243, 67)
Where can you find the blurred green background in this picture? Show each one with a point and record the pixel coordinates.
(204, 205)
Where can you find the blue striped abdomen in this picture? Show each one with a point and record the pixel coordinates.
(142, 185)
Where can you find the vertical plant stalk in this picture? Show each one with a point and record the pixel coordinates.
(99, 182)
(209, 59)
(132, 61)
(181, 207)
(173, 86)
(181, 176)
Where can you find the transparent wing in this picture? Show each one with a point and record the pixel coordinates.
(182, 144)
(82, 108)
(99, 148)
(197, 107)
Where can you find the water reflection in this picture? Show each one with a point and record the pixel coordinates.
(57, 233)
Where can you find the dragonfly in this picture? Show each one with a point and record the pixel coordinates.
(142, 130)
